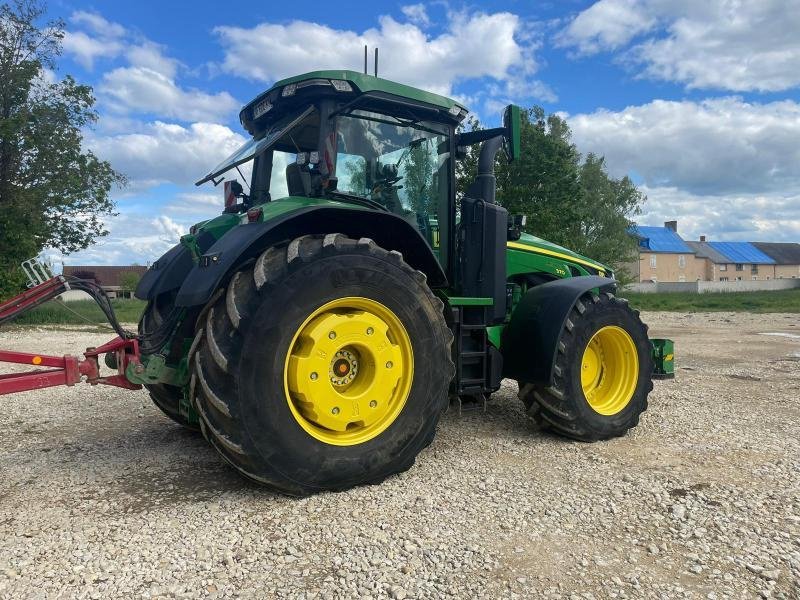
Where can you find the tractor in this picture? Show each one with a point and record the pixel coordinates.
(317, 329)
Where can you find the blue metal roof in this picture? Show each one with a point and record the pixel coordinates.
(742, 252)
(660, 239)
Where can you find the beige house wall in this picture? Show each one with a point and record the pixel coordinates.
(721, 271)
(787, 271)
(670, 267)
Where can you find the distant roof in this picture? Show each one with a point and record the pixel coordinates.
(741, 252)
(659, 239)
(104, 274)
(705, 251)
(781, 253)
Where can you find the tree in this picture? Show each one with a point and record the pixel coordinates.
(568, 201)
(53, 192)
(128, 282)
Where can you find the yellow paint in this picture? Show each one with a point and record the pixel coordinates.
(348, 371)
(609, 370)
(669, 357)
(567, 257)
(37, 360)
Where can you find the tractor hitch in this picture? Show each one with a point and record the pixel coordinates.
(68, 369)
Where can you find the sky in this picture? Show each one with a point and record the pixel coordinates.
(698, 102)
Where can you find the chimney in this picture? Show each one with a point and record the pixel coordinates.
(702, 238)
(671, 225)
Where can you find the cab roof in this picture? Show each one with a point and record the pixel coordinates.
(361, 84)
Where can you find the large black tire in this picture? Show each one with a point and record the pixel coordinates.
(166, 397)
(242, 345)
(563, 407)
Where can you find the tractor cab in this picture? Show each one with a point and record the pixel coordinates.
(359, 140)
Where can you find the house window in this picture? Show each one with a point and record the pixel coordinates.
(681, 261)
(723, 267)
(739, 267)
(754, 269)
(739, 278)
(652, 261)
(681, 278)
(755, 277)
(723, 279)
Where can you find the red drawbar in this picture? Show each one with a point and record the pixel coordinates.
(69, 370)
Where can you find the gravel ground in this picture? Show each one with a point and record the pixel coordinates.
(101, 496)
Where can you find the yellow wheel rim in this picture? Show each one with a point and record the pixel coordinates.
(348, 371)
(609, 370)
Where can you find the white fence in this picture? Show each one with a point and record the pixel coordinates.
(704, 287)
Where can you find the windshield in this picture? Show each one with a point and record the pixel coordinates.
(254, 147)
(400, 164)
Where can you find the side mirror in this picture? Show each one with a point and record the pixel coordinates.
(512, 123)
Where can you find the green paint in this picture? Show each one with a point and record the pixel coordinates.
(368, 83)
(663, 358)
(463, 301)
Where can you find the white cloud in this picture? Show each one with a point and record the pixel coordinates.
(737, 217)
(715, 44)
(167, 152)
(97, 24)
(472, 46)
(417, 14)
(722, 167)
(143, 90)
(719, 145)
(86, 49)
(606, 25)
(151, 56)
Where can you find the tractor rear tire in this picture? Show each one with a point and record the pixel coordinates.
(274, 320)
(166, 397)
(602, 373)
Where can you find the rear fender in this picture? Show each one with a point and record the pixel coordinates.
(530, 339)
(247, 241)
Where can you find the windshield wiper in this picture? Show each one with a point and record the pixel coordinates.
(353, 199)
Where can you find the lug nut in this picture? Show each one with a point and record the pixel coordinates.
(370, 331)
(335, 410)
(314, 376)
(332, 335)
(373, 403)
(389, 365)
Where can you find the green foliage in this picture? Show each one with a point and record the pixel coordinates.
(129, 280)
(568, 200)
(53, 193)
(418, 180)
(779, 301)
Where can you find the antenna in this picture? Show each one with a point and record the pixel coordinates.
(376, 62)
(365, 59)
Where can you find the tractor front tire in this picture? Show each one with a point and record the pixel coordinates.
(324, 365)
(602, 372)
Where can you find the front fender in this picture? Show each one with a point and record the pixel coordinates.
(530, 339)
(247, 241)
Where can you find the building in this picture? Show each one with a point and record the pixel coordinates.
(733, 261)
(664, 255)
(786, 257)
(110, 278)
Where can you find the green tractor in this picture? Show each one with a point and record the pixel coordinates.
(317, 328)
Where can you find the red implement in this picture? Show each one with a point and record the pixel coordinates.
(62, 370)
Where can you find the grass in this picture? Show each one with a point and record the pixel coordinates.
(59, 313)
(784, 301)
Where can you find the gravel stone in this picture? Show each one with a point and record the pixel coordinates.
(101, 496)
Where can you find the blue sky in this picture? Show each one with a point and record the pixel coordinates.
(698, 102)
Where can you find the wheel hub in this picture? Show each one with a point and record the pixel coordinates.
(609, 370)
(365, 352)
